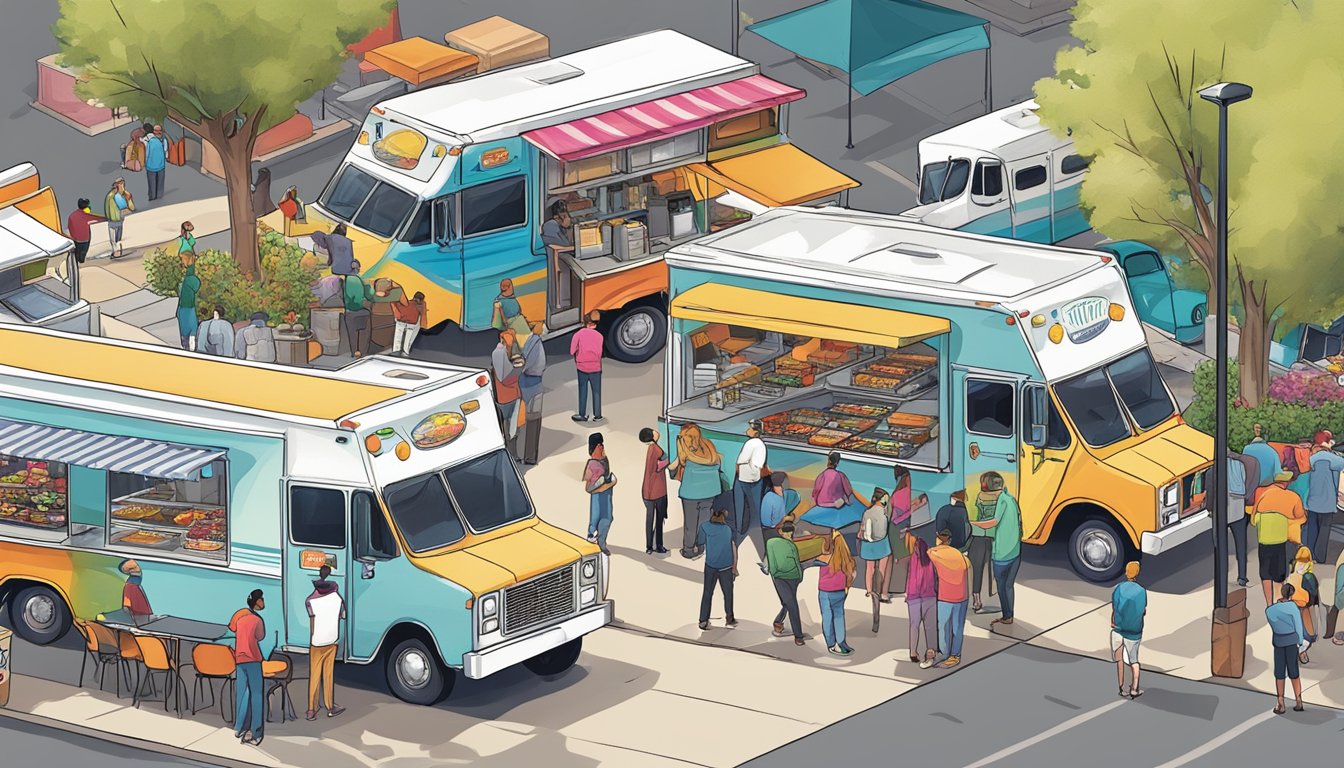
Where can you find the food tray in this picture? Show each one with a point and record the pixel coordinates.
(862, 410)
(170, 540)
(915, 436)
(809, 417)
(763, 391)
(851, 423)
(138, 499)
(911, 359)
(828, 438)
(784, 380)
(903, 420)
(788, 430)
(47, 526)
(874, 446)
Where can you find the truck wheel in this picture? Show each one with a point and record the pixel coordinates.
(1098, 550)
(637, 334)
(556, 660)
(39, 615)
(415, 675)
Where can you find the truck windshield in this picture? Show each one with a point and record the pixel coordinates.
(938, 183)
(1093, 399)
(424, 512)
(489, 491)
(372, 205)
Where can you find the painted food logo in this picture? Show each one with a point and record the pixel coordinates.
(401, 149)
(1084, 319)
(438, 429)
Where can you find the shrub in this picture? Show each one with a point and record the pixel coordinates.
(1314, 388)
(1282, 421)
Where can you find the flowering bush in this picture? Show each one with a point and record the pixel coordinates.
(1284, 420)
(289, 273)
(1313, 388)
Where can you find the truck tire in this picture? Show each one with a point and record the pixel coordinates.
(1098, 550)
(415, 675)
(39, 615)
(557, 660)
(636, 334)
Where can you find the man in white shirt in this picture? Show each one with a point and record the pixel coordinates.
(325, 611)
(747, 489)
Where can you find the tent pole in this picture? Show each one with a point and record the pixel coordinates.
(736, 26)
(849, 109)
(989, 74)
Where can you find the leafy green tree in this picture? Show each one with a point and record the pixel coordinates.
(226, 69)
(1128, 95)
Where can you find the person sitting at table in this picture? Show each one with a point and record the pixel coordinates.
(133, 598)
(832, 489)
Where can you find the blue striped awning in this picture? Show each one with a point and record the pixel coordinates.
(131, 455)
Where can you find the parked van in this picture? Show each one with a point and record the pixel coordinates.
(1003, 174)
(647, 142)
(219, 477)
(39, 278)
(948, 354)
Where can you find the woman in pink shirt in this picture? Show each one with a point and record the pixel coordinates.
(832, 489)
(921, 600)
(833, 585)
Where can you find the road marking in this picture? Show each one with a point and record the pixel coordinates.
(1218, 741)
(1050, 734)
(892, 174)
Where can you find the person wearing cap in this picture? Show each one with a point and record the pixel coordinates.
(1322, 493)
(133, 598)
(952, 570)
(747, 485)
(504, 369)
(1278, 520)
(598, 481)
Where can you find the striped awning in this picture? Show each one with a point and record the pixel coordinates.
(670, 116)
(131, 455)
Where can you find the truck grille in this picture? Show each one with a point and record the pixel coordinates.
(542, 599)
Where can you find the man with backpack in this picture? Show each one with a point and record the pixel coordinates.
(1006, 546)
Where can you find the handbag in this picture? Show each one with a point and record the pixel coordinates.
(497, 318)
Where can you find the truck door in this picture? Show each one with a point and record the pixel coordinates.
(1031, 189)
(988, 416)
(990, 213)
(1046, 449)
(317, 534)
(375, 600)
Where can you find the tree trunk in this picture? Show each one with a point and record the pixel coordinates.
(242, 221)
(1253, 350)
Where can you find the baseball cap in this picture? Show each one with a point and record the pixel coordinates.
(1324, 436)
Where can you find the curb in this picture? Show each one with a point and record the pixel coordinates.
(125, 741)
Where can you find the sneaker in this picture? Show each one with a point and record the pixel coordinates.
(597, 418)
(256, 740)
(662, 550)
(335, 712)
(777, 630)
(648, 551)
(704, 625)
(312, 715)
(245, 737)
(840, 651)
(1242, 582)
(925, 664)
(950, 662)
(731, 621)
(578, 418)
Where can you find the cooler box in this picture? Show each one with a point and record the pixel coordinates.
(498, 42)
(291, 350)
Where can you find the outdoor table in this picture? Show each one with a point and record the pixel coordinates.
(172, 628)
(421, 62)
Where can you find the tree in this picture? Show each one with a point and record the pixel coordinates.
(1128, 96)
(226, 69)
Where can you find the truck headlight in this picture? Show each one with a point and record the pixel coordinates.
(489, 625)
(489, 605)
(1170, 495)
(588, 570)
(588, 596)
(489, 613)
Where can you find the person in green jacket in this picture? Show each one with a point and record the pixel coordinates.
(186, 240)
(1006, 549)
(355, 294)
(187, 321)
(116, 206)
(782, 563)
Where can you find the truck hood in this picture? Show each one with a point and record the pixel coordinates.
(1160, 458)
(502, 561)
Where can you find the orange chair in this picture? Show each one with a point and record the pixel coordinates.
(90, 650)
(277, 672)
(213, 662)
(109, 653)
(154, 654)
(130, 658)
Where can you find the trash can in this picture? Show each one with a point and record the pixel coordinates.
(5, 673)
(292, 349)
(326, 326)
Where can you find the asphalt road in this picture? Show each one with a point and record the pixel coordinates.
(1033, 707)
(25, 745)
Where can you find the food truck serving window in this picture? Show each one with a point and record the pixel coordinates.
(171, 516)
(33, 495)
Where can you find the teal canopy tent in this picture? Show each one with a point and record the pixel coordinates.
(876, 42)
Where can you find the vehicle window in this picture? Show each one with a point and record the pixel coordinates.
(1056, 433)
(938, 183)
(989, 407)
(988, 179)
(1029, 177)
(494, 205)
(1140, 387)
(1090, 402)
(384, 211)
(378, 537)
(443, 220)
(1074, 164)
(425, 513)
(422, 227)
(317, 516)
(490, 492)
(1142, 264)
(345, 197)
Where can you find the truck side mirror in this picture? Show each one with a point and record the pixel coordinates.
(1037, 436)
(1038, 430)
(373, 539)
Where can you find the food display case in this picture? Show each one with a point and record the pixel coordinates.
(164, 517)
(33, 494)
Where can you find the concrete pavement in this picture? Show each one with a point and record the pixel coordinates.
(30, 744)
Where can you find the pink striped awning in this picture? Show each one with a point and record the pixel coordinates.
(670, 116)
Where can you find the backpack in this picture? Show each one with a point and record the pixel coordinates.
(1313, 588)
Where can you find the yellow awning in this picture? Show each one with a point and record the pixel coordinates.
(776, 176)
(813, 318)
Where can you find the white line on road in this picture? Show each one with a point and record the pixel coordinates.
(890, 173)
(1218, 741)
(1050, 734)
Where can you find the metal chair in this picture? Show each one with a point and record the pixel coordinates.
(213, 662)
(90, 650)
(154, 654)
(129, 650)
(277, 672)
(109, 653)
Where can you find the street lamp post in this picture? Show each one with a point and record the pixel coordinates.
(1224, 95)
(737, 25)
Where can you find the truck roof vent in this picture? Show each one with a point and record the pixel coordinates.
(915, 251)
(401, 373)
(1022, 118)
(552, 72)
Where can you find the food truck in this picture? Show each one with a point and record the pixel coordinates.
(1002, 174)
(39, 279)
(219, 477)
(649, 142)
(949, 354)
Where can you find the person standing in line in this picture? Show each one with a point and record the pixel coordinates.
(186, 238)
(921, 600)
(952, 571)
(832, 488)
(782, 563)
(980, 546)
(833, 583)
(116, 207)
(504, 370)
(747, 484)
(326, 610)
(249, 629)
(699, 468)
(530, 386)
(654, 491)
(1322, 494)
(586, 349)
(1332, 615)
(339, 247)
(1267, 458)
(407, 315)
(1306, 594)
(355, 294)
(215, 336)
(187, 291)
(1285, 622)
(1129, 604)
(774, 507)
(718, 541)
(133, 151)
(1006, 548)
(598, 482)
(899, 507)
(953, 518)
(156, 161)
(77, 228)
(1276, 517)
(875, 550)
(1242, 472)
(262, 204)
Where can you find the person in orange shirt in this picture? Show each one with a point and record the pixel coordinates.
(1278, 520)
(952, 568)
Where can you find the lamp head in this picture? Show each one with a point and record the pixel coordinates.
(1224, 94)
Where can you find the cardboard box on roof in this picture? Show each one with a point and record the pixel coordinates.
(498, 42)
